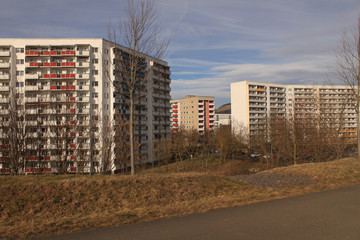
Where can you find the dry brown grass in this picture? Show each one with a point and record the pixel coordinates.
(33, 206)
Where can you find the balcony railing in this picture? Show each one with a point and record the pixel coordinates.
(4, 53)
(82, 64)
(4, 88)
(4, 65)
(4, 77)
(82, 53)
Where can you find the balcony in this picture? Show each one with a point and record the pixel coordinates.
(4, 76)
(63, 87)
(82, 64)
(31, 76)
(5, 53)
(83, 87)
(4, 65)
(83, 111)
(57, 76)
(32, 53)
(84, 53)
(82, 76)
(4, 111)
(31, 88)
(4, 89)
(82, 99)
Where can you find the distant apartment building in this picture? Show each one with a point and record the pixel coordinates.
(223, 115)
(254, 104)
(66, 88)
(193, 113)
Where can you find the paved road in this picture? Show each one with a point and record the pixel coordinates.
(327, 215)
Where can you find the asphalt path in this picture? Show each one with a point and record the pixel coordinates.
(326, 215)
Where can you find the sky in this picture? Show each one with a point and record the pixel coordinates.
(214, 43)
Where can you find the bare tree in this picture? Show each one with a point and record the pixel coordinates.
(347, 70)
(140, 33)
(13, 136)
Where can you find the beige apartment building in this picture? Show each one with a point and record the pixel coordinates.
(254, 103)
(66, 88)
(193, 113)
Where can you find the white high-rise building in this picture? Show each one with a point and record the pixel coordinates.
(254, 103)
(66, 87)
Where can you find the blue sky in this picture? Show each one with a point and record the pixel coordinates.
(214, 42)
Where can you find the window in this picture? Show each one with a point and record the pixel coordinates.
(19, 73)
(94, 72)
(94, 95)
(95, 49)
(95, 60)
(19, 61)
(19, 84)
(19, 50)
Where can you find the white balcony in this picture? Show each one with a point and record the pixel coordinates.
(83, 111)
(31, 100)
(4, 53)
(4, 88)
(82, 64)
(31, 88)
(32, 76)
(84, 53)
(82, 99)
(82, 76)
(4, 77)
(4, 111)
(82, 87)
(4, 65)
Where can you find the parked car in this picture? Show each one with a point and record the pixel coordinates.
(255, 154)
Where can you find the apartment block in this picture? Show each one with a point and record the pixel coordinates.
(193, 113)
(69, 89)
(254, 104)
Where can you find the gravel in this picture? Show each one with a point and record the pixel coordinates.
(274, 180)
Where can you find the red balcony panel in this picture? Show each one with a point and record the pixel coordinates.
(46, 76)
(5, 171)
(72, 122)
(73, 134)
(72, 87)
(34, 64)
(62, 87)
(47, 157)
(68, 64)
(73, 169)
(175, 120)
(52, 87)
(175, 111)
(46, 64)
(73, 157)
(175, 124)
(175, 106)
(53, 53)
(72, 145)
(72, 110)
(53, 76)
(47, 170)
(2, 159)
(32, 53)
(175, 115)
(53, 64)
(72, 99)
(45, 53)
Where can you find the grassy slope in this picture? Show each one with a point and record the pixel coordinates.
(46, 205)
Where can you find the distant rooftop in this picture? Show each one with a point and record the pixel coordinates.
(224, 109)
